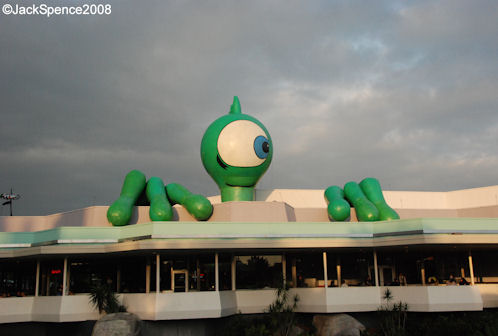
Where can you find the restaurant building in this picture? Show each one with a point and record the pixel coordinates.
(186, 269)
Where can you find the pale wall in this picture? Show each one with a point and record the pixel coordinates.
(196, 305)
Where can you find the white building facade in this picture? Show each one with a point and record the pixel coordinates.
(188, 270)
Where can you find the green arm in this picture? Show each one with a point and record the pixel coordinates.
(160, 209)
(338, 208)
(365, 210)
(119, 213)
(371, 188)
(197, 205)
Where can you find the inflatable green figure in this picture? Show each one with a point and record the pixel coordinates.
(159, 197)
(236, 151)
(366, 198)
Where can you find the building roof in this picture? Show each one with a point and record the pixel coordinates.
(280, 218)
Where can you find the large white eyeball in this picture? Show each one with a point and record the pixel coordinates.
(242, 143)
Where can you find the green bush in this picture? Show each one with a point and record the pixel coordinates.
(393, 316)
(279, 319)
(282, 312)
(104, 299)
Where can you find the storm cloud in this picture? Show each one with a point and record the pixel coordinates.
(406, 92)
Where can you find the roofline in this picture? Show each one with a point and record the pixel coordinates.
(239, 235)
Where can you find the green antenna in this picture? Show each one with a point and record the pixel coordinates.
(235, 108)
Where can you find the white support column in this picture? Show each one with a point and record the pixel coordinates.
(217, 273)
(234, 272)
(376, 268)
(338, 269)
(325, 275)
(294, 273)
(187, 277)
(284, 269)
(147, 276)
(68, 277)
(173, 280)
(64, 278)
(471, 269)
(37, 281)
(158, 273)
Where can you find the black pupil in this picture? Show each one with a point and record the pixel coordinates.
(266, 147)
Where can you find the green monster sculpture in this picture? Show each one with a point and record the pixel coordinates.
(236, 151)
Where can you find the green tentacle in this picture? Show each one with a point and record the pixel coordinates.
(365, 210)
(338, 208)
(197, 205)
(119, 213)
(371, 188)
(160, 209)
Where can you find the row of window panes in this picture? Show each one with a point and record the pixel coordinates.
(127, 274)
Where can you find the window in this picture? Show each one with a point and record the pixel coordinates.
(192, 272)
(356, 267)
(84, 273)
(485, 267)
(17, 278)
(51, 274)
(132, 274)
(258, 271)
(304, 269)
(225, 270)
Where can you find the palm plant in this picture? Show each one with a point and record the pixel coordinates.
(104, 299)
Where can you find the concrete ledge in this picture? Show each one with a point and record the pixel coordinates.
(16, 309)
(196, 305)
(489, 294)
(254, 301)
(438, 298)
(310, 299)
(353, 299)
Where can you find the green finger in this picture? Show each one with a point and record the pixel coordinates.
(365, 210)
(338, 208)
(119, 213)
(160, 209)
(197, 205)
(371, 188)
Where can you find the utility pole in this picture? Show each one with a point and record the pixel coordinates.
(10, 197)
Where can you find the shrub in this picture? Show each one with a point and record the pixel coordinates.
(393, 316)
(104, 299)
(282, 312)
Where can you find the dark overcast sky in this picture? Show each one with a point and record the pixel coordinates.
(403, 91)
